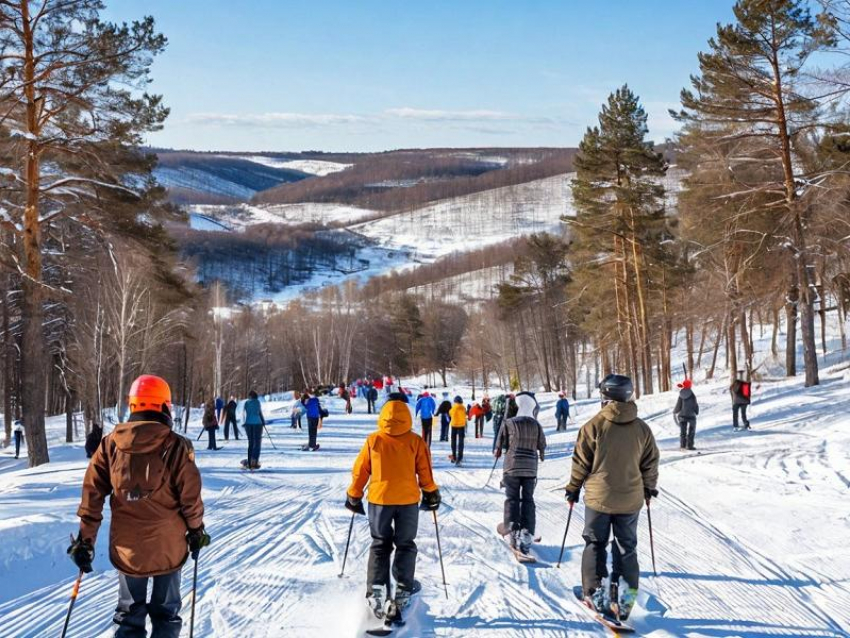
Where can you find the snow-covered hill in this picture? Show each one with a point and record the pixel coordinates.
(309, 166)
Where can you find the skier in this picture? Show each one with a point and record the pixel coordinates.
(741, 392)
(345, 395)
(297, 411)
(93, 439)
(315, 413)
(476, 414)
(616, 461)
(685, 414)
(230, 418)
(523, 438)
(148, 472)
(562, 411)
(210, 423)
(219, 408)
(253, 421)
(487, 407)
(371, 397)
(499, 407)
(19, 436)
(397, 465)
(425, 409)
(458, 426)
(444, 411)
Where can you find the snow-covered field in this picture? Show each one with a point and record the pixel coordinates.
(311, 167)
(751, 534)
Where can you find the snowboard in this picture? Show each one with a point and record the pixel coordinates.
(521, 558)
(617, 626)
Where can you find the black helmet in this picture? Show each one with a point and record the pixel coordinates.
(617, 387)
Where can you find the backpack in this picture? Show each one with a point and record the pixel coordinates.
(136, 477)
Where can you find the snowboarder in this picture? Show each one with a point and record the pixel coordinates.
(315, 413)
(562, 411)
(616, 461)
(476, 413)
(210, 423)
(397, 465)
(93, 439)
(741, 392)
(523, 438)
(148, 472)
(230, 418)
(444, 411)
(253, 421)
(371, 398)
(425, 409)
(458, 426)
(19, 436)
(685, 413)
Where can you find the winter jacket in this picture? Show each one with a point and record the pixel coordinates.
(615, 458)
(476, 411)
(425, 407)
(524, 439)
(230, 409)
(313, 408)
(93, 440)
(395, 461)
(253, 412)
(372, 394)
(485, 405)
(458, 416)
(445, 407)
(741, 392)
(499, 405)
(154, 488)
(209, 420)
(511, 408)
(219, 405)
(562, 408)
(686, 404)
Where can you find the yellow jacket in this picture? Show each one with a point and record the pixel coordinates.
(395, 461)
(458, 415)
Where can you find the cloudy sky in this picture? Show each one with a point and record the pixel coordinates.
(366, 75)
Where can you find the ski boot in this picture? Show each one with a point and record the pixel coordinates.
(515, 539)
(375, 602)
(596, 601)
(627, 602)
(525, 541)
(403, 595)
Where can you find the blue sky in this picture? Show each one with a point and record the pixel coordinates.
(367, 75)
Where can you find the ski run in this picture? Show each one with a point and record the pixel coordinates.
(751, 534)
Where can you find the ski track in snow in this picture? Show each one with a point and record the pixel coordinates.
(750, 535)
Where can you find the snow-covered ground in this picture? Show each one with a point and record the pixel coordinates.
(311, 167)
(240, 216)
(751, 534)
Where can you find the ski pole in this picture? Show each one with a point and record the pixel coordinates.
(440, 553)
(270, 437)
(194, 592)
(201, 433)
(651, 541)
(74, 592)
(492, 471)
(566, 531)
(347, 542)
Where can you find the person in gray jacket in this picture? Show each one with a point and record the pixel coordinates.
(523, 438)
(685, 413)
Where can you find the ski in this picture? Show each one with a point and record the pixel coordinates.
(617, 626)
(519, 555)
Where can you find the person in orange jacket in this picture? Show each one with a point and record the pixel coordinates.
(476, 413)
(458, 426)
(396, 463)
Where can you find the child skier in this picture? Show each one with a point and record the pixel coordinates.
(457, 421)
(396, 464)
(425, 408)
(616, 461)
(523, 438)
(562, 411)
(685, 414)
(148, 472)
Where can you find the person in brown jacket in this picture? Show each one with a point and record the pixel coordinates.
(616, 461)
(154, 487)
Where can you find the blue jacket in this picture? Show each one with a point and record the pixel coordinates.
(313, 408)
(562, 408)
(426, 406)
(253, 412)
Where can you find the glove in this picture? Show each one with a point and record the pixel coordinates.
(81, 552)
(572, 495)
(354, 504)
(648, 493)
(497, 453)
(431, 501)
(197, 539)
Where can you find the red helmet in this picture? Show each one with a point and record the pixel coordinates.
(149, 392)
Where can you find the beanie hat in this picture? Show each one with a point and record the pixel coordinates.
(686, 384)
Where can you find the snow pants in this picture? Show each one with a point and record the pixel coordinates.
(211, 438)
(479, 426)
(562, 423)
(230, 420)
(742, 408)
(370, 406)
(18, 437)
(254, 432)
(163, 607)
(458, 436)
(445, 420)
(597, 531)
(687, 431)
(426, 429)
(520, 512)
(392, 526)
(312, 431)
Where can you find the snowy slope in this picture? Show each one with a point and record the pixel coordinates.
(311, 167)
(750, 535)
(240, 216)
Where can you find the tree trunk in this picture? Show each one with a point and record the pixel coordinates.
(702, 336)
(69, 417)
(731, 345)
(717, 339)
(8, 363)
(774, 343)
(689, 344)
(791, 299)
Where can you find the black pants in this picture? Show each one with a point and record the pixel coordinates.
(479, 426)
(497, 425)
(211, 434)
(520, 512)
(597, 531)
(687, 431)
(562, 423)
(312, 431)
(228, 421)
(458, 436)
(163, 608)
(392, 525)
(742, 408)
(444, 427)
(18, 437)
(254, 433)
(370, 406)
(426, 429)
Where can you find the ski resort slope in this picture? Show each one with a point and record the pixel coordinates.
(751, 534)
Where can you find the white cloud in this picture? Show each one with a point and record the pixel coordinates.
(439, 115)
(275, 120)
